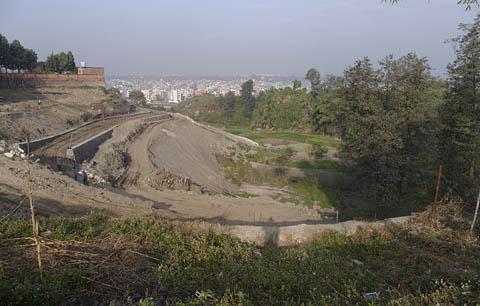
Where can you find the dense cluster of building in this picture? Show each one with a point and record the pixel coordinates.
(177, 89)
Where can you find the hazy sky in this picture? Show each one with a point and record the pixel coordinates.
(226, 37)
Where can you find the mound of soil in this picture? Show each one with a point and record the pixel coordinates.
(176, 154)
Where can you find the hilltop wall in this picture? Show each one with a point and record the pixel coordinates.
(26, 80)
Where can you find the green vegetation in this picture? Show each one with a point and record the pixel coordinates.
(290, 200)
(327, 165)
(247, 195)
(460, 115)
(237, 131)
(60, 63)
(14, 56)
(314, 194)
(95, 260)
(328, 141)
(241, 171)
(137, 97)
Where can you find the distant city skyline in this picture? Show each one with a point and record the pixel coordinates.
(229, 38)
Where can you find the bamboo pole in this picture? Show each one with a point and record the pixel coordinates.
(475, 215)
(436, 192)
(32, 206)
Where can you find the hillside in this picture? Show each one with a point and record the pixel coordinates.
(206, 108)
(61, 108)
(279, 109)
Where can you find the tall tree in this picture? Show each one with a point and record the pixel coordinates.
(137, 97)
(228, 103)
(4, 52)
(247, 98)
(29, 59)
(314, 77)
(51, 64)
(297, 84)
(17, 53)
(460, 137)
(387, 126)
(70, 62)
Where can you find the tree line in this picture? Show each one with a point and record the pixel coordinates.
(398, 123)
(15, 57)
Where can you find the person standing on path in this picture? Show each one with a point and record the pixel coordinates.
(39, 103)
(85, 177)
(59, 164)
(75, 172)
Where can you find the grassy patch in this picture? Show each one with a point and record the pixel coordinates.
(254, 137)
(238, 131)
(328, 141)
(328, 165)
(193, 268)
(247, 195)
(241, 171)
(290, 200)
(313, 193)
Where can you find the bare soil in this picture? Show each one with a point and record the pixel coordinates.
(60, 109)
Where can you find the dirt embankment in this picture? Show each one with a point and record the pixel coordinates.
(170, 154)
(60, 109)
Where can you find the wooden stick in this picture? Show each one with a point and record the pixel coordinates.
(32, 206)
(436, 192)
(476, 212)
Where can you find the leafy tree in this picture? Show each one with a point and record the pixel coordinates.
(314, 77)
(228, 103)
(51, 63)
(60, 63)
(468, 3)
(70, 62)
(29, 60)
(137, 97)
(318, 152)
(17, 54)
(247, 98)
(4, 52)
(460, 136)
(297, 84)
(389, 126)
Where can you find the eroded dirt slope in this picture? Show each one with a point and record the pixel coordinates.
(61, 109)
(169, 154)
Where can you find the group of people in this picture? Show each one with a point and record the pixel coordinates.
(74, 171)
(84, 175)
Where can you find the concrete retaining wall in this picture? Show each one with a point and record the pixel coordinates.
(38, 143)
(89, 147)
(289, 235)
